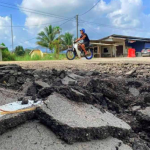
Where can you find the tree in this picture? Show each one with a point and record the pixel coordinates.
(48, 36)
(7, 55)
(27, 51)
(6, 49)
(68, 39)
(58, 46)
(19, 51)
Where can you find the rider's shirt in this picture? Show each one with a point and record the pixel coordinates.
(86, 38)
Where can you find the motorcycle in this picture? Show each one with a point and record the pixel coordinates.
(77, 51)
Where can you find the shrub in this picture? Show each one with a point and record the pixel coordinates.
(7, 56)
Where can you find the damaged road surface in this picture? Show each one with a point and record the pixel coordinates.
(74, 109)
(80, 122)
(34, 136)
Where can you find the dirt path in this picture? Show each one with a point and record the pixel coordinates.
(78, 64)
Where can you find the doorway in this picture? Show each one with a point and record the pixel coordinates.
(119, 51)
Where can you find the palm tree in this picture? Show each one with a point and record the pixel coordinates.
(58, 45)
(68, 39)
(48, 36)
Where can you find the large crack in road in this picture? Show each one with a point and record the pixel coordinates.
(75, 102)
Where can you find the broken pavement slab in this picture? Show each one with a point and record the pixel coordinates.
(8, 96)
(130, 72)
(42, 84)
(135, 92)
(14, 114)
(13, 120)
(71, 78)
(66, 80)
(75, 76)
(78, 121)
(144, 114)
(35, 136)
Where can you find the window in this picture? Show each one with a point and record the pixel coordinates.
(105, 50)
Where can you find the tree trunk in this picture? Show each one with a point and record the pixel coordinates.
(57, 51)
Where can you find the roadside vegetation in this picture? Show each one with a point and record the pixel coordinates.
(36, 57)
(50, 38)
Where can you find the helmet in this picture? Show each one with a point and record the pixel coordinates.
(83, 30)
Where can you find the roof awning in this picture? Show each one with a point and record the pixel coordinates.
(2, 47)
(103, 44)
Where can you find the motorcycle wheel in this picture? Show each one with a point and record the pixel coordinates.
(70, 55)
(90, 56)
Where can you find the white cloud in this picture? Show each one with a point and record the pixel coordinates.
(128, 15)
(4, 31)
(117, 13)
(60, 8)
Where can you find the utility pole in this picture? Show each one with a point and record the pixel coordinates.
(12, 33)
(77, 24)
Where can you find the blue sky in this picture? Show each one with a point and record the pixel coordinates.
(127, 17)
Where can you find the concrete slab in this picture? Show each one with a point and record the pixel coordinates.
(35, 136)
(79, 121)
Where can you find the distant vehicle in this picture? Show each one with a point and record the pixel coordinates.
(146, 52)
(77, 51)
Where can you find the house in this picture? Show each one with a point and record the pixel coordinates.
(118, 45)
(1, 48)
(36, 52)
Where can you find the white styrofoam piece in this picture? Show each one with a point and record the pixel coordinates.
(17, 105)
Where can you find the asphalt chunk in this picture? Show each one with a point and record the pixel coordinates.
(79, 121)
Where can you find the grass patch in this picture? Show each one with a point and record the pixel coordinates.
(36, 57)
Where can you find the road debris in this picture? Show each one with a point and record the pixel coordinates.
(80, 105)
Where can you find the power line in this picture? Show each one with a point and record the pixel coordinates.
(33, 10)
(44, 14)
(109, 26)
(36, 37)
(90, 9)
(36, 25)
(25, 41)
(66, 21)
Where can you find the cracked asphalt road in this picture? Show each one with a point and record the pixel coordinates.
(34, 136)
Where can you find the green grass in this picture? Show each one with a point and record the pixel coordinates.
(47, 57)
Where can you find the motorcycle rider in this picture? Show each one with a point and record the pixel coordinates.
(85, 39)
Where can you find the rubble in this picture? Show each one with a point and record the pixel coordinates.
(25, 100)
(41, 84)
(67, 80)
(131, 72)
(122, 91)
(134, 91)
(145, 114)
